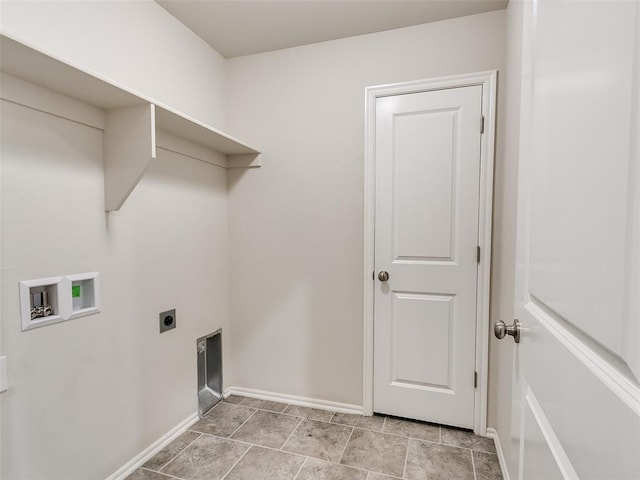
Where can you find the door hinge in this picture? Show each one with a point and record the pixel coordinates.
(475, 379)
(481, 123)
(478, 253)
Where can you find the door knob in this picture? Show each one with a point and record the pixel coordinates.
(500, 330)
(383, 276)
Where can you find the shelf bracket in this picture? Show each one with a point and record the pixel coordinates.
(129, 147)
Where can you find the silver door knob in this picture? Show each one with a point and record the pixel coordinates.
(500, 330)
(383, 276)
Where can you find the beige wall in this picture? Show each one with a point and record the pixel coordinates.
(296, 226)
(87, 395)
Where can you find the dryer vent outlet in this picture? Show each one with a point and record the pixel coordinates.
(209, 358)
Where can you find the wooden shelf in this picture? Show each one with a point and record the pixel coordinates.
(134, 125)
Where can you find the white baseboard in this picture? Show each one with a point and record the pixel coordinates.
(295, 400)
(492, 433)
(137, 461)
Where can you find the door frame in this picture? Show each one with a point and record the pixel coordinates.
(488, 81)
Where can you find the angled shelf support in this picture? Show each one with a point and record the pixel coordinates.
(129, 147)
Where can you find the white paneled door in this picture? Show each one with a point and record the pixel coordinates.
(427, 163)
(576, 399)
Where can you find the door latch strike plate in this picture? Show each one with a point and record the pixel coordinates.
(478, 253)
(475, 379)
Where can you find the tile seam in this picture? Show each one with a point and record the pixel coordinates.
(236, 463)
(165, 474)
(170, 461)
(240, 426)
(473, 465)
(406, 459)
(249, 444)
(182, 450)
(291, 435)
(301, 467)
(344, 449)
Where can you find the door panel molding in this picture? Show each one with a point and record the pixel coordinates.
(537, 419)
(609, 369)
(488, 81)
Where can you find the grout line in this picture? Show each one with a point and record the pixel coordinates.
(400, 436)
(260, 408)
(291, 434)
(406, 459)
(301, 467)
(346, 445)
(236, 463)
(479, 449)
(248, 418)
(251, 444)
(167, 464)
(310, 410)
(483, 451)
(353, 467)
(159, 473)
(440, 433)
(304, 417)
(464, 448)
(384, 422)
(172, 458)
(473, 465)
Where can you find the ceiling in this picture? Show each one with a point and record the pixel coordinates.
(244, 27)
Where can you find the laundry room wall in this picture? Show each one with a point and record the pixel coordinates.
(296, 226)
(87, 395)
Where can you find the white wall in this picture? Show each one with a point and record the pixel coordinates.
(89, 394)
(137, 44)
(501, 352)
(294, 235)
(296, 226)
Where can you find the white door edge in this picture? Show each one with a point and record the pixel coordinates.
(488, 80)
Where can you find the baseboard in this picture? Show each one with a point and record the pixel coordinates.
(492, 433)
(295, 400)
(128, 468)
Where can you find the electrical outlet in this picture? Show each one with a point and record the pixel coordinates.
(167, 320)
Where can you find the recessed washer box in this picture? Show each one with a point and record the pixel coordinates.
(85, 294)
(51, 300)
(40, 302)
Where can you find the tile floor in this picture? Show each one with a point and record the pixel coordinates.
(248, 439)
